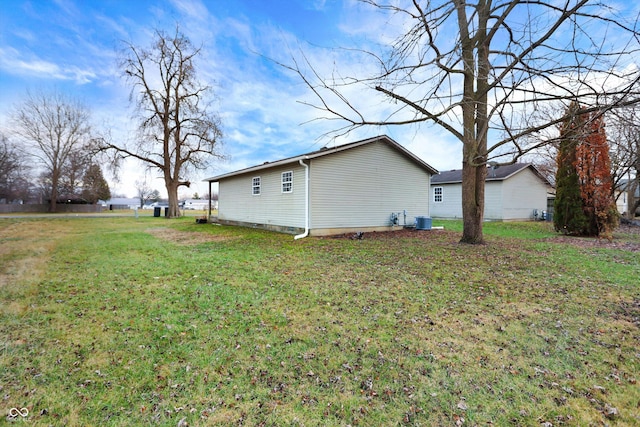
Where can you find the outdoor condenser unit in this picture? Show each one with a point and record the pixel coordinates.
(423, 223)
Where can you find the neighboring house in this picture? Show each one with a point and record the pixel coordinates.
(197, 204)
(623, 200)
(158, 204)
(513, 192)
(122, 203)
(359, 186)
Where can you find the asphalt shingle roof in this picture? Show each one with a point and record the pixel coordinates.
(330, 151)
(497, 173)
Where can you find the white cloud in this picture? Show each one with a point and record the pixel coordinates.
(191, 9)
(116, 27)
(16, 63)
(67, 6)
(13, 62)
(260, 103)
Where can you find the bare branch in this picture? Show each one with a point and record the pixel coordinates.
(177, 132)
(482, 68)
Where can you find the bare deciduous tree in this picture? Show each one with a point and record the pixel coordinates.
(52, 128)
(145, 193)
(12, 181)
(73, 172)
(178, 133)
(483, 70)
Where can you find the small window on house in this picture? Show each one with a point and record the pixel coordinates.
(287, 182)
(437, 194)
(255, 186)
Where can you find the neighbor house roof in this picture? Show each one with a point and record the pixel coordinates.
(494, 173)
(327, 152)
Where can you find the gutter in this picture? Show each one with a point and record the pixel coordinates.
(306, 201)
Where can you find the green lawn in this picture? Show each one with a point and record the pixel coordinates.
(123, 321)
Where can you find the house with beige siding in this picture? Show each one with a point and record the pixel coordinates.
(627, 195)
(370, 185)
(514, 192)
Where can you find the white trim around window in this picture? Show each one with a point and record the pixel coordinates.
(256, 184)
(438, 194)
(287, 182)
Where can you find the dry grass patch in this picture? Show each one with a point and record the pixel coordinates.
(186, 238)
(25, 248)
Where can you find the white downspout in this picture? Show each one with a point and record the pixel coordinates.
(306, 202)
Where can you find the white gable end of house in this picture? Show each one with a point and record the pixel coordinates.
(514, 196)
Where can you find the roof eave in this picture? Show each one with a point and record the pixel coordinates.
(257, 168)
(325, 152)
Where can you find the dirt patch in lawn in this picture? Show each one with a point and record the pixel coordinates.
(626, 238)
(185, 237)
(409, 233)
(594, 242)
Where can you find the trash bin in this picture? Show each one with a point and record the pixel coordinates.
(166, 212)
(423, 223)
(156, 211)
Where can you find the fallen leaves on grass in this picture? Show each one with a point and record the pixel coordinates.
(625, 238)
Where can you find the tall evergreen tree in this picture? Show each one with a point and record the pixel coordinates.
(94, 186)
(568, 215)
(584, 202)
(593, 166)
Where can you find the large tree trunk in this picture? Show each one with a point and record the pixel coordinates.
(473, 178)
(172, 192)
(475, 121)
(55, 180)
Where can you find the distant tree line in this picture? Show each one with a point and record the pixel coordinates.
(49, 155)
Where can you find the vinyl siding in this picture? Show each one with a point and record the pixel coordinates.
(363, 186)
(514, 198)
(493, 200)
(523, 192)
(271, 207)
(451, 205)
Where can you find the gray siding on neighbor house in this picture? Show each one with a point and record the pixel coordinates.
(272, 206)
(363, 186)
(513, 198)
(451, 204)
(493, 199)
(521, 194)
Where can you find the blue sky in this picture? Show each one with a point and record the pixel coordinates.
(72, 46)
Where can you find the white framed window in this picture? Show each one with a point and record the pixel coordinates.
(287, 182)
(255, 185)
(438, 194)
